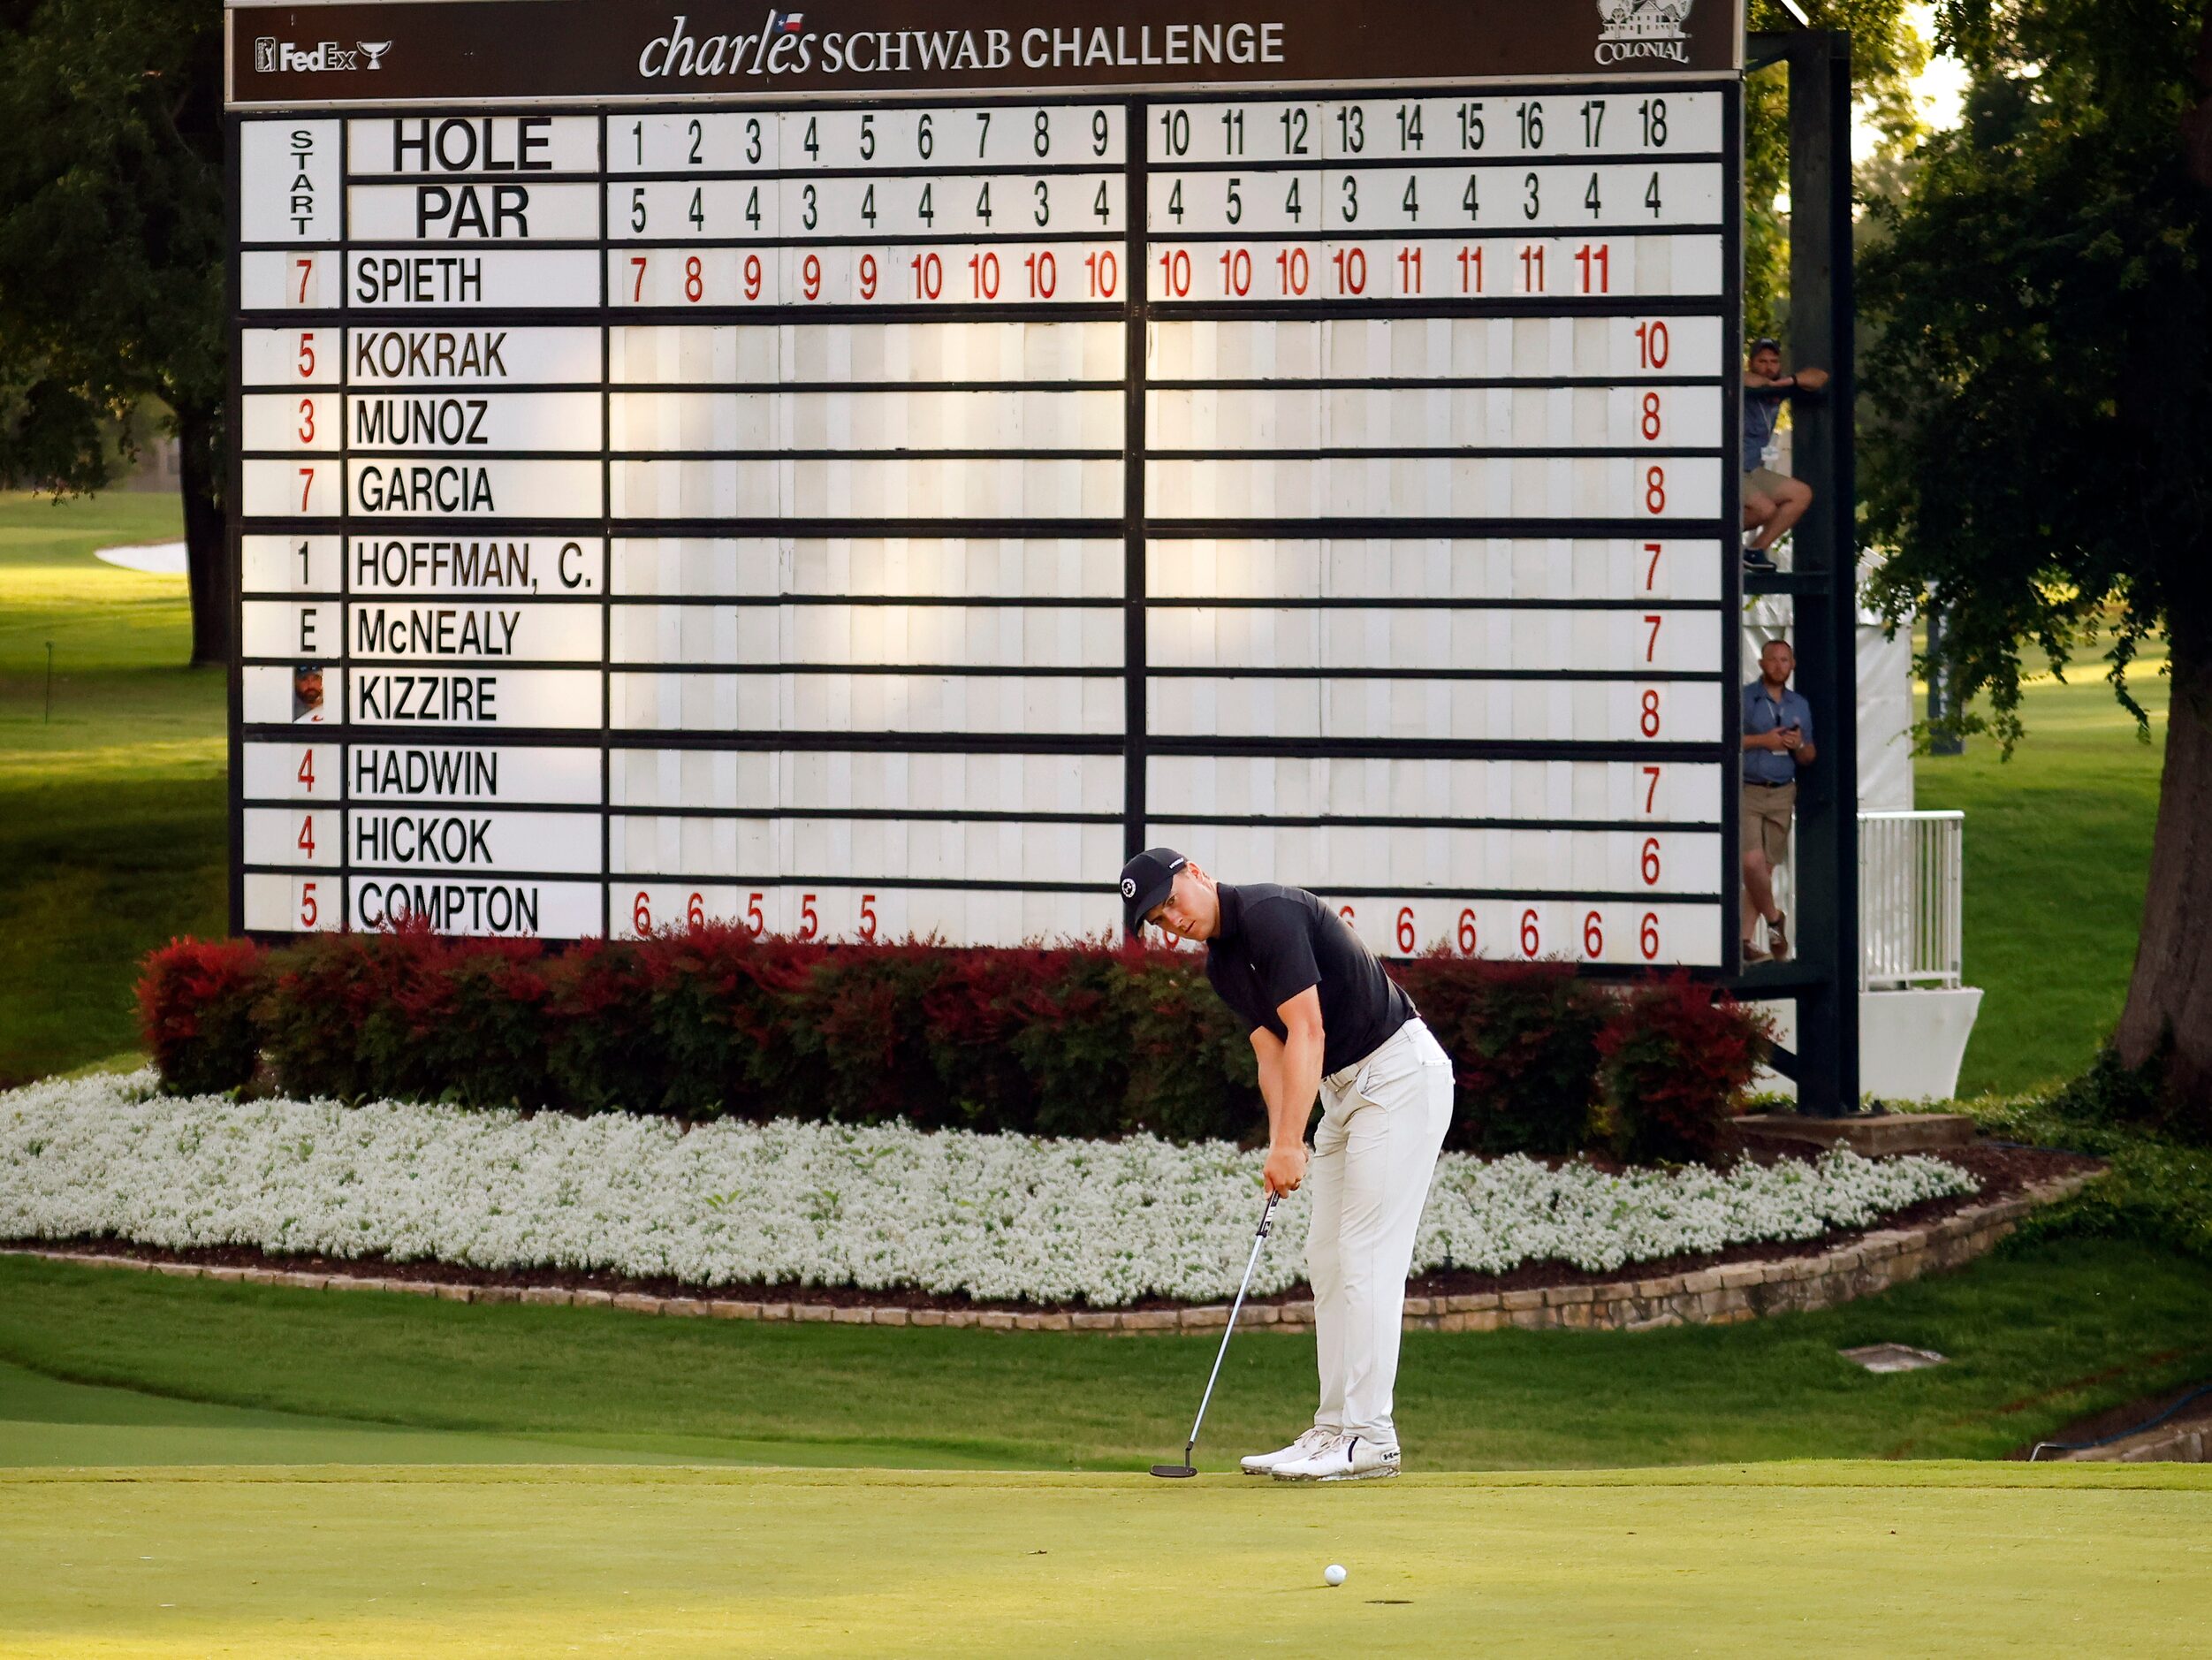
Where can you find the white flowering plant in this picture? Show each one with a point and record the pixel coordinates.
(791, 1202)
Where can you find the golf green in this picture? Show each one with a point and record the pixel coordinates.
(1838, 1559)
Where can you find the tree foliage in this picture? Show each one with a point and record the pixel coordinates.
(1886, 54)
(2043, 361)
(111, 243)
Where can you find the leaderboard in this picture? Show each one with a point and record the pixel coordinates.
(865, 503)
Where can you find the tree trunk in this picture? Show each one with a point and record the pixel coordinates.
(2171, 991)
(207, 540)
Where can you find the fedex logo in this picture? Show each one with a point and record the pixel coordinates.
(272, 55)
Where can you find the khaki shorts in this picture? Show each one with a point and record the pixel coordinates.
(1765, 823)
(1764, 480)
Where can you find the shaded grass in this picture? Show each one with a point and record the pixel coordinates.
(2057, 854)
(2035, 1340)
(112, 836)
(1809, 1560)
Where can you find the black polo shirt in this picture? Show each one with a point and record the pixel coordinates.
(1275, 942)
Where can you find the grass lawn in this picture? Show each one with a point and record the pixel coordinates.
(2035, 1340)
(2058, 853)
(112, 829)
(1829, 1559)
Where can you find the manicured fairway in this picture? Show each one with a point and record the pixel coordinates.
(2034, 1341)
(111, 827)
(1830, 1560)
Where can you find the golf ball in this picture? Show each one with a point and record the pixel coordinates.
(1333, 1573)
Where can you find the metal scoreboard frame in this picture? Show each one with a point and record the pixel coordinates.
(697, 616)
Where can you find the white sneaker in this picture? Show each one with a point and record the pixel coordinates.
(1304, 1447)
(1345, 1459)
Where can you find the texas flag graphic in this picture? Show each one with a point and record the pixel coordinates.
(786, 22)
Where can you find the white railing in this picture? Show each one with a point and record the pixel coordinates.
(1910, 871)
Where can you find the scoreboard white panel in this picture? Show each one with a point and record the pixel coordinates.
(467, 356)
(500, 278)
(1663, 641)
(1538, 419)
(984, 487)
(1409, 706)
(499, 148)
(423, 695)
(309, 771)
(288, 173)
(1656, 863)
(1436, 267)
(471, 839)
(473, 211)
(764, 355)
(291, 564)
(1461, 128)
(473, 490)
(1525, 568)
(470, 903)
(1031, 272)
(863, 519)
(473, 773)
(859, 420)
(275, 903)
(1672, 489)
(1602, 196)
(1636, 794)
(497, 564)
(1630, 347)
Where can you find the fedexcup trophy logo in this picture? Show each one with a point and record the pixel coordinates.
(1642, 28)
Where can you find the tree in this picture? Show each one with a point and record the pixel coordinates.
(1885, 53)
(2044, 367)
(111, 254)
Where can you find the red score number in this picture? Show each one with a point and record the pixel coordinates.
(1407, 937)
(1467, 935)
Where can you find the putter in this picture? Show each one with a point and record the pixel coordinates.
(1186, 1467)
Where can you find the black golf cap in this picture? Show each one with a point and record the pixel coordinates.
(1145, 880)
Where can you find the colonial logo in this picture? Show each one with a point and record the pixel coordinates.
(273, 57)
(1633, 29)
(1128, 887)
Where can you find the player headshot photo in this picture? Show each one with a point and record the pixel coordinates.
(307, 693)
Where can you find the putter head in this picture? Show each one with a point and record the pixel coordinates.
(1174, 1469)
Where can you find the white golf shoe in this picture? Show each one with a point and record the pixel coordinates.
(1304, 1447)
(1345, 1459)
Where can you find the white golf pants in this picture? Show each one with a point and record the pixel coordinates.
(1383, 1123)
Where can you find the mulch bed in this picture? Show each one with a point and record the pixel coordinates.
(2003, 1171)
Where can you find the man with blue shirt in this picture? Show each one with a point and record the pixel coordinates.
(1773, 501)
(1778, 741)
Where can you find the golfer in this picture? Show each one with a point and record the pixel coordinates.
(1325, 1020)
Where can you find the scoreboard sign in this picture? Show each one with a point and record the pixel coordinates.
(860, 473)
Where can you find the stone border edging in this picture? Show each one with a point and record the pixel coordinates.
(1709, 1297)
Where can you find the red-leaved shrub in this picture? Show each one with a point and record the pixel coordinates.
(1674, 1061)
(195, 1009)
(1522, 1038)
(1089, 1040)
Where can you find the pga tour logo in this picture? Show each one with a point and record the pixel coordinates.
(1631, 29)
(272, 55)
